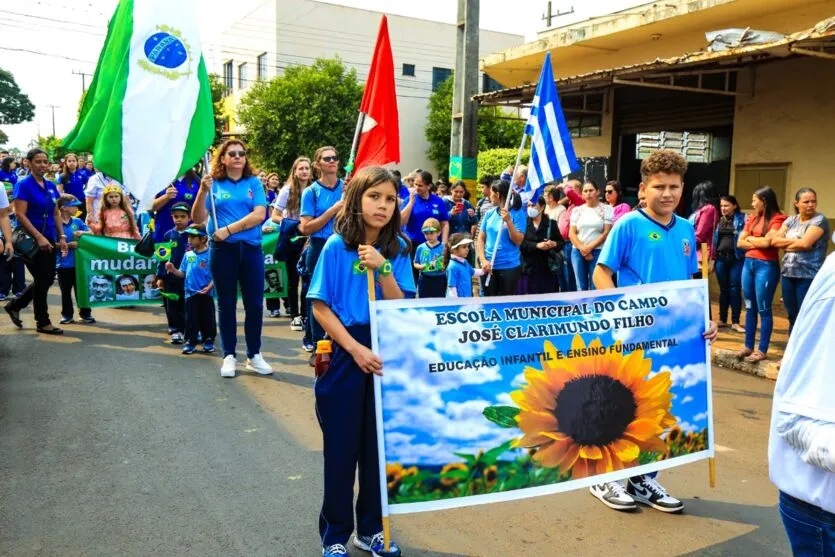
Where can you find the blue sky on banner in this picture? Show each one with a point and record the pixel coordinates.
(430, 416)
(552, 152)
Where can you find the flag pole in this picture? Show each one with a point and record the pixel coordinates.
(211, 193)
(349, 168)
(711, 461)
(507, 203)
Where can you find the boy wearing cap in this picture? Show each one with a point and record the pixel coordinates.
(65, 262)
(200, 305)
(175, 309)
(429, 261)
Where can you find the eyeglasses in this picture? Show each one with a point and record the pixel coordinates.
(334, 158)
(610, 191)
(233, 154)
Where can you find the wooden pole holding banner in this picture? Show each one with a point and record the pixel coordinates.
(372, 296)
(507, 204)
(711, 462)
(349, 168)
(206, 171)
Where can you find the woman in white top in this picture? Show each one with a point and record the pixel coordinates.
(590, 225)
(286, 206)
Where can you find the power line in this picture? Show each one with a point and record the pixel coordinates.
(45, 54)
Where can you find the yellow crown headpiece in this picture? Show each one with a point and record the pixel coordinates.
(112, 187)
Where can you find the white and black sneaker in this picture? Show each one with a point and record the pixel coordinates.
(614, 496)
(296, 324)
(646, 490)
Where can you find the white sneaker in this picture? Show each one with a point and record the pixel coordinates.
(296, 324)
(228, 367)
(648, 491)
(258, 365)
(614, 496)
(177, 338)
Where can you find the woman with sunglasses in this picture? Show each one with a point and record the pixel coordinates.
(236, 255)
(614, 198)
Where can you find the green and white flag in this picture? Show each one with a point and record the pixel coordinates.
(147, 117)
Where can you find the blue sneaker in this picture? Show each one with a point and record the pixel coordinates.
(375, 545)
(308, 346)
(2, 297)
(189, 349)
(208, 347)
(335, 550)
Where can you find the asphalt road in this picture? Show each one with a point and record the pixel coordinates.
(113, 444)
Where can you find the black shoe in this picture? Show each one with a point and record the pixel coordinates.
(65, 320)
(312, 361)
(51, 331)
(88, 320)
(15, 317)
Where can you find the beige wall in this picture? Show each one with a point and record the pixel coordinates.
(790, 119)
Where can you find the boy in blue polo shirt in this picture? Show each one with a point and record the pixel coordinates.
(200, 305)
(73, 227)
(647, 246)
(175, 309)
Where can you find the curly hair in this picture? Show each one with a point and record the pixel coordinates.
(664, 161)
(219, 169)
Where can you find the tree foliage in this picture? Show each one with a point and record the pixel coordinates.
(15, 106)
(3, 138)
(294, 114)
(494, 161)
(493, 131)
(51, 144)
(218, 90)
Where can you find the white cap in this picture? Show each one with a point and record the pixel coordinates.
(463, 242)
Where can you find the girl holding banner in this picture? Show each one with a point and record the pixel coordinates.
(499, 251)
(367, 236)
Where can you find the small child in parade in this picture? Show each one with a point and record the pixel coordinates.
(459, 272)
(175, 302)
(12, 273)
(429, 260)
(115, 215)
(200, 305)
(65, 262)
(367, 236)
(651, 244)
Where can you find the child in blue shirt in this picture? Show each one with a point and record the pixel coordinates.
(459, 272)
(429, 260)
(200, 305)
(646, 246)
(367, 236)
(175, 306)
(65, 262)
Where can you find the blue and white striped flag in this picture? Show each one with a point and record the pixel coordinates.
(552, 154)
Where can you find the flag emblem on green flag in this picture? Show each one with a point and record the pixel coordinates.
(148, 117)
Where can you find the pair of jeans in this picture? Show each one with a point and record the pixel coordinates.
(293, 302)
(431, 286)
(313, 332)
(503, 282)
(794, 292)
(233, 264)
(810, 529)
(66, 281)
(200, 318)
(42, 269)
(12, 276)
(759, 283)
(346, 412)
(729, 276)
(175, 310)
(568, 283)
(584, 269)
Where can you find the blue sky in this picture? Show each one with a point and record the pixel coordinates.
(429, 416)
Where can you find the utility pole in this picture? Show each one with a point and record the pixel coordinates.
(83, 80)
(463, 148)
(53, 107)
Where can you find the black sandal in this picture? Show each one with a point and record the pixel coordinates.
(53, 331)
(15, 317)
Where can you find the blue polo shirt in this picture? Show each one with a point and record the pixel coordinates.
(342, 285)
(433, 258)
(235, 199)
(508, 256)
(461, 222)
(318, 198)
(68, 261)
(10, 177)
(641, 250)
(460, 277)
(41, 204)
(198, 273)
(433, 207)
(75, 184)
(186, 192)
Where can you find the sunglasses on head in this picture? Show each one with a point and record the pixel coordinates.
(332, 158)
(234, 154)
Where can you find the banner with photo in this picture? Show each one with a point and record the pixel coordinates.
(109, 273)
(495, 399)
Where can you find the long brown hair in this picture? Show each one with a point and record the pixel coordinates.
(65, 172)
(219, 169)
(350, 224)
(123, 205)
(296, 186)
(317, 160)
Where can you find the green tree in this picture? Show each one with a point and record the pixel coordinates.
(15, 106)
(302, 110)
(218, 91)
(3, 138)
(50, 144)
(494, 129)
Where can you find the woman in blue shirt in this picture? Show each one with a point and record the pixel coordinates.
(502, 232)
(72, 180)
(182, 190)
(37, 212)
(7, 171)
(462, 217)
(236, 254)
(422, 205)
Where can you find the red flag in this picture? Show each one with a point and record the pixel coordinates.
(380, 138)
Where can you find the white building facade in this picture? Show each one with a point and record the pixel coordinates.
(281, 33)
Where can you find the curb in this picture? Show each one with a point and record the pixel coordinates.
(727, 359)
